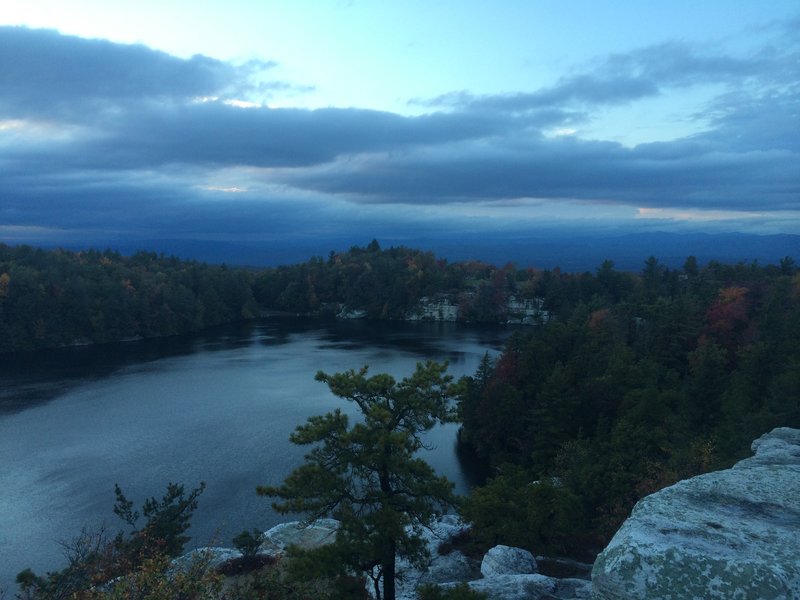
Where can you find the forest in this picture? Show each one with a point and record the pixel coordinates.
(634, 382)
(639, 381)
(61, 298)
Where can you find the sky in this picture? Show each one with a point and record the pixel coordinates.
(251, 121)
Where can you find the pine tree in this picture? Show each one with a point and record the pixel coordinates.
(368, 475)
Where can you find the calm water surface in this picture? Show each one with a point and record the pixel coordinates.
(217, 407)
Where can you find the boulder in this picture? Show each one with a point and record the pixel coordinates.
(296, 533)
(505, 560)
(732, 534)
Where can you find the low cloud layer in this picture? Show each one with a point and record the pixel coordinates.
(104, 137)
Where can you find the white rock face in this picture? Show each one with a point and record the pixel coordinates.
(505, 560)
(278, 539)
(728, 535)
(436, 309)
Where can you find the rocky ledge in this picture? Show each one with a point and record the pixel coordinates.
(732, 534)
(505, 573)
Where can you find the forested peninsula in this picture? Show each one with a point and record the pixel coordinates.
(51, 298)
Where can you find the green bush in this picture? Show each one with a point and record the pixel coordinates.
(511, 509)
(248, 542)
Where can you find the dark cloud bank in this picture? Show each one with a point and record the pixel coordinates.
(119, 144)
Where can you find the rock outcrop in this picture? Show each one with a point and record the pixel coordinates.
(732, 534)
(505, 560)
(306, 537)
(505, 573)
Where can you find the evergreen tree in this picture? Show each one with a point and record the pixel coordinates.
(367, 475)
(166, 520)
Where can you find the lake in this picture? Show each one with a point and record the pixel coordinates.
(215, 407)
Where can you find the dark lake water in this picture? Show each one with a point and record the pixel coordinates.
(216, 407)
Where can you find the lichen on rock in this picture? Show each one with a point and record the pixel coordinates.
(731, 534)
(302, 535)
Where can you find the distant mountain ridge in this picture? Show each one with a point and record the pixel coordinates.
(574, 251)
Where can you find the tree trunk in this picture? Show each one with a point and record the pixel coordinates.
(390, 545)
(388, 567)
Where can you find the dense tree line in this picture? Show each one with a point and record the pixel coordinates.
(56, 298)
(641, 380)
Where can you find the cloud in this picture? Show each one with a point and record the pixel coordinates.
(747, 158)
(223, 134)
(624, 78)
(94, 104)
(689, 175)
(98, 136)
(122, 207)
(47, 75)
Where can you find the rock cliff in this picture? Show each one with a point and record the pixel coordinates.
(732, 534)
